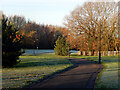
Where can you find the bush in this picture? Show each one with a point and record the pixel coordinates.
(61, 47)
(11, 43)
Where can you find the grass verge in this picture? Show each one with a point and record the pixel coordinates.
(108, 78)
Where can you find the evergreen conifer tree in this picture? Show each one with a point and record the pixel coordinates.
(11, 43)
(61, 47)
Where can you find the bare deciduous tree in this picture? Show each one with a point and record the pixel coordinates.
(19, 21)
(86, 19)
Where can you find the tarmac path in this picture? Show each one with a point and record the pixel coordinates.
(83, 75)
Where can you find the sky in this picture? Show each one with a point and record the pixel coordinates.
(41, 11)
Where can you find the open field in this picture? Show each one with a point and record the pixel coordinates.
(32, 68)
(108, 78)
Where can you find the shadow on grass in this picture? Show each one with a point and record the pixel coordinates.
(113, 70)
(37, 54)
(105, 59)
(42, 61)
(32, 64)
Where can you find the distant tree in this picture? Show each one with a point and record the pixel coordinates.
(61, 47)
(11, 43)
(19, 21)
(43, 35)
(29, 35)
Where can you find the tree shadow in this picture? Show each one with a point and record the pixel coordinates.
(106, 59)
(42, 62)
(110, 59)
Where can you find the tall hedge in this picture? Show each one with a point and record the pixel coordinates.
(11, 43)
(61, 47)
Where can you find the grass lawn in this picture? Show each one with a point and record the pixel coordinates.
(32, 68)
(108, 78)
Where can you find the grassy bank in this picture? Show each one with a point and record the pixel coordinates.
(108, 78)
(31, 69)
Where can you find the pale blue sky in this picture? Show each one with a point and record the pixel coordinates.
(40, 11)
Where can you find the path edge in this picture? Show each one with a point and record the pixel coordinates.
(51, 76)
(93, 77)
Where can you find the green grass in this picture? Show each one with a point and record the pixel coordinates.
(108, 78)
(32, 69)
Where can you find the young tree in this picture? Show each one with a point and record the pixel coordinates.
(61, 47)
(11, 43)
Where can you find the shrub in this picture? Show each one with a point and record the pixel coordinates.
(61, 47)
(11, 43)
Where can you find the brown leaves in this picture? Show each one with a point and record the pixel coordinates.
(86, 18)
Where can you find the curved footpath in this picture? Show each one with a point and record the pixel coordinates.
(83, 75)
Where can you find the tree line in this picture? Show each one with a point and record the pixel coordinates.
(83, 24)
(37, 35)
